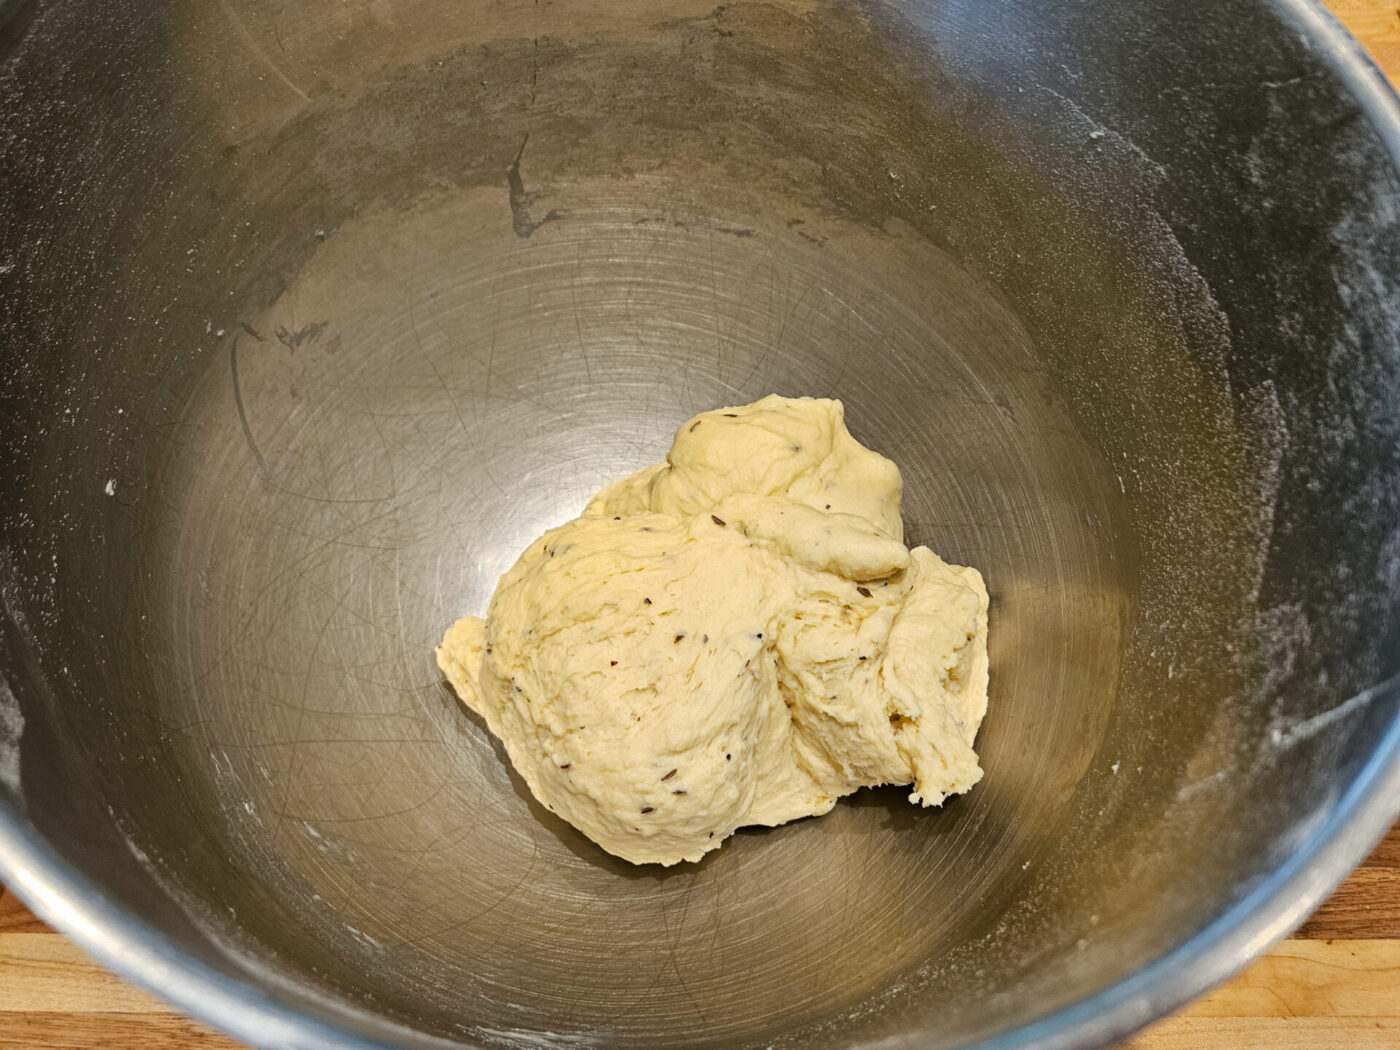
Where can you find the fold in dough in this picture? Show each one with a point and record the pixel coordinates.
(736, 636)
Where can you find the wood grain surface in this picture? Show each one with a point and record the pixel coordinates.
(1334, 984)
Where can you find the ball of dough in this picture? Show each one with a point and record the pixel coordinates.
(737, 636)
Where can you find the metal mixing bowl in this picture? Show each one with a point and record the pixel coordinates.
(315, 312)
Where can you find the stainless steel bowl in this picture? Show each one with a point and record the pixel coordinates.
(315, 312)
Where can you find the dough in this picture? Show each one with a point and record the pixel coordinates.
(736, 636)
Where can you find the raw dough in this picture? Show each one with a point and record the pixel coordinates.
(736, 636)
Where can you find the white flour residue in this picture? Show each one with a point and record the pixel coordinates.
(326, 845)
(364, 939)
(1098, 131)
(11, 729)
(1284, 735)
(11, 718)
(1215, 780)
(1265, 425)
(1282, 634)
(541, 1040)
(1388, 565)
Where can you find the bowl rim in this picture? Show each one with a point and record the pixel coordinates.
(258, 1014)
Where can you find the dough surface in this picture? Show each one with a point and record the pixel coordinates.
(736, 636)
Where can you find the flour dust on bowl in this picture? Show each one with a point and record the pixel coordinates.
(315, 315)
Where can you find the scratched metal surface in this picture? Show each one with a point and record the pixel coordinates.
(310, 332)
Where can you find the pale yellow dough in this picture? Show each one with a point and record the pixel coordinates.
(736, 636)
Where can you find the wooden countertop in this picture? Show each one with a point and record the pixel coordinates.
(1334, 984)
